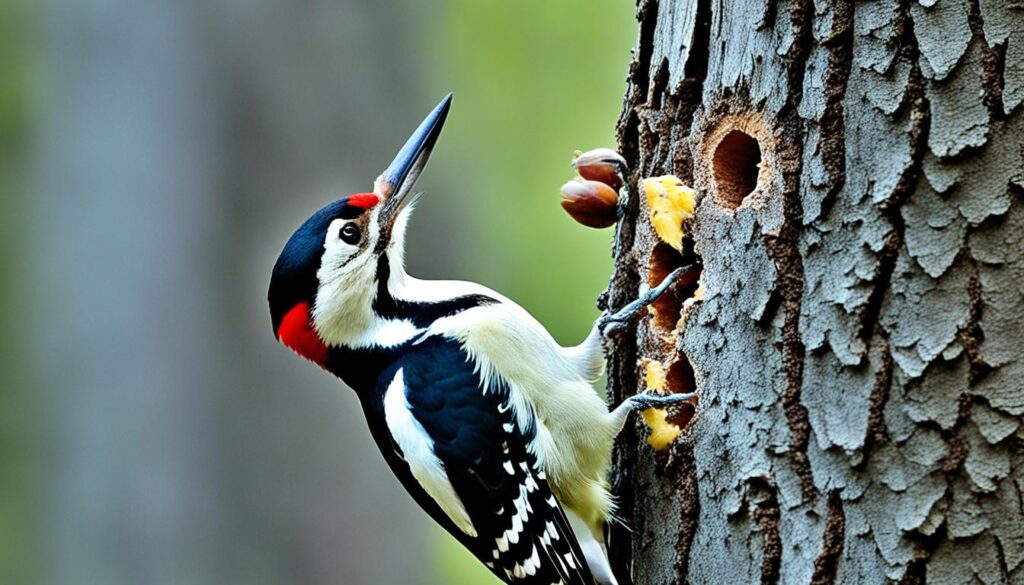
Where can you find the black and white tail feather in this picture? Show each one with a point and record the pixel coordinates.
(478, 467)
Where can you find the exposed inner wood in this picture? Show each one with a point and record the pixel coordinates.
(737, 162)
(663, 259)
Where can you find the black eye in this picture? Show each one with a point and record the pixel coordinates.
(349, 234)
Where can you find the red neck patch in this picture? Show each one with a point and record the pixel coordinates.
(363, 200)
(297, 332)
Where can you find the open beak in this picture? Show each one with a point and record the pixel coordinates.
(395, 184)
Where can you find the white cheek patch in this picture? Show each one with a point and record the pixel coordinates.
(347, 277)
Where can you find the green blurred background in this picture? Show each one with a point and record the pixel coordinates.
(154, 157)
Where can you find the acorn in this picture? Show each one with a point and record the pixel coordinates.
(601, 164)
(591, 203)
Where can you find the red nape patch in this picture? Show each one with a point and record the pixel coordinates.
(296, 331)
(364, 200)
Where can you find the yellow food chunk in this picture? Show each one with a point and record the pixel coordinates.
(670, 203)
(654, 376)
(662, 432)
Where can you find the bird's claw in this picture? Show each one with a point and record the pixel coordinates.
(649, 399)
(609, 324)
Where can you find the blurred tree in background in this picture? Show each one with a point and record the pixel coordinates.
(153, 159)
(19, 560)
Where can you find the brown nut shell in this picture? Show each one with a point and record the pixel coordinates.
(591, 203)
(601, 164)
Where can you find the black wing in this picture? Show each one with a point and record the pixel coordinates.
(522, 533)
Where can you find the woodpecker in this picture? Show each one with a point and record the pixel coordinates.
(494, 428)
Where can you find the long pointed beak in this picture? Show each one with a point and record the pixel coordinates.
(395, 184)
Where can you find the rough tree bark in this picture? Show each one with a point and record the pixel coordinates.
(857, 348)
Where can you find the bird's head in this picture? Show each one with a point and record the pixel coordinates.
(328, 274)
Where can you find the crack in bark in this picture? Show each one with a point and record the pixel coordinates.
(958, 445)
(993, 64)
(833, 119)
(764, 497)
(696, 66)
(925, 546)
(784, 248)
(1004, 568)
(682, 103)
(920, 119)
(689, 509)
(917, 569)
(647, 16)
(879, 397)
(971, 334)
(657, 91)
(827, 564)
(801, 14)
(771, 11)
(790, 280)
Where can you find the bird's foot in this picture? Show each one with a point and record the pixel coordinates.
(644, 402)
(649, 399)
(611, 323)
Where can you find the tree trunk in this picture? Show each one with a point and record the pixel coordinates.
(856, 348)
